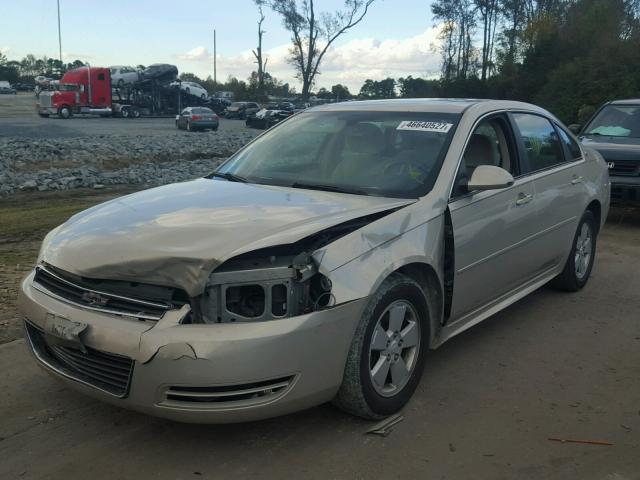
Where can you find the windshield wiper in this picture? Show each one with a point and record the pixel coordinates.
(229, 176)
(329, 188)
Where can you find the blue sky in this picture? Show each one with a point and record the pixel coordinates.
(396, 38)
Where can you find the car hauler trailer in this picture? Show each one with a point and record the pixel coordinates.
(88, 90)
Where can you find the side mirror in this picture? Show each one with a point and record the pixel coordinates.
(488, 177)
(575, 128)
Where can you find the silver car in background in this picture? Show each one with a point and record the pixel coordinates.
(319, 263)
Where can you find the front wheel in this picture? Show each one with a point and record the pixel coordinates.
(387, 353)
(583, 252)
(64, 112)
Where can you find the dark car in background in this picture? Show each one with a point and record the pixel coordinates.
(218, 105)
(614, 131)
(7, 91)
(197, 118)
(242, 110)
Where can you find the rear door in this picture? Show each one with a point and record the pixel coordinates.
(491, 229)
(554, 161)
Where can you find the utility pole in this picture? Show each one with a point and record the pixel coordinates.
(59, 35)
(215, 59)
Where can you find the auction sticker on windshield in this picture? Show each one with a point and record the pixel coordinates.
(439, 127)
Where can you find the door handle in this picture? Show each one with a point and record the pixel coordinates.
(576, 180)
(523, 198)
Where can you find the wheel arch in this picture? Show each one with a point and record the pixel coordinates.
(430, 283)
(596, 209)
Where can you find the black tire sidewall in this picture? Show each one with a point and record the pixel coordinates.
(387, 405)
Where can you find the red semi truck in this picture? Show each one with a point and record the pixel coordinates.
(88, 90)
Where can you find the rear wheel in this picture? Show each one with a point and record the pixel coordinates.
(580, 262)
(387, 353)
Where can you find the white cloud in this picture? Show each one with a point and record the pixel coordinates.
(350, 63)
(5, 50)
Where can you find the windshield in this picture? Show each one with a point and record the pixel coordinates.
(201, 110)
(68, 87)
(392, 154)
(616, 121)
(236, 105)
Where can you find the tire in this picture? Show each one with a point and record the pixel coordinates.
(136, 114)
(215, 129)
(583, 253)
(64, 112)
(125, 113)
(190, 128)
(372, 351)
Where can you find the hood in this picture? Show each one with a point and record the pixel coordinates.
(614, 148)
(176, 235)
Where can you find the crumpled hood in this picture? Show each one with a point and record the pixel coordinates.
(176, 235)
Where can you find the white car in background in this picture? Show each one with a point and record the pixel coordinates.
(192, 88)
(121, 75)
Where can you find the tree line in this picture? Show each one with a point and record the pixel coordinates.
(568, 56)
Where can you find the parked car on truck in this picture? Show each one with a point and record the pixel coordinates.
(241, 110)
(161, 72)
(194, 119)
(320, 262)
(614, 131)
(192, 88)
(122, 75)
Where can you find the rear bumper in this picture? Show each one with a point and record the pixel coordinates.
(185, 372)
(205, 124)
(625, 190)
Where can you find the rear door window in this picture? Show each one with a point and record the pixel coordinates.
(540, 142)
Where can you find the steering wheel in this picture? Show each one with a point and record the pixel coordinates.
(407, 168)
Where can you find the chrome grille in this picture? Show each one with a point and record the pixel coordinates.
(45, 99)
(627, 168)
(105, 371)
(228, 394)
(54, 284)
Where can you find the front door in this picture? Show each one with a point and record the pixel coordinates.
(491, 229)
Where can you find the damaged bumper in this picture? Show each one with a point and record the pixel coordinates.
(216, 373)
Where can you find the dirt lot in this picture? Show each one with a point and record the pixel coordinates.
(19, 119)
(553, 365)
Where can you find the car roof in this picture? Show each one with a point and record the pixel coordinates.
(628, 101)
(435, 105)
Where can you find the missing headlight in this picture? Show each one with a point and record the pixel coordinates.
(246, 300)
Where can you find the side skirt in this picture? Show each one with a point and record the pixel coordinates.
(478, 315)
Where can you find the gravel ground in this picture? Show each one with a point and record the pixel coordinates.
(44, 154)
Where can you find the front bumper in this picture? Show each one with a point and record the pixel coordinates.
(47, 110)
(206, 373)
(625, 190)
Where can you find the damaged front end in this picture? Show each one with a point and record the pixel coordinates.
(272, 283)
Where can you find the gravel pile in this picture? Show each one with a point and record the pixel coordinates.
(63, 164)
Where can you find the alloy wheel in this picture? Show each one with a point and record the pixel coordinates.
(584, 247)
(394, 348)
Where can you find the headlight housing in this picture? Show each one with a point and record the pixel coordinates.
(264, 289)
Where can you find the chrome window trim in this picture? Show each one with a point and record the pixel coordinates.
(529, 175)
